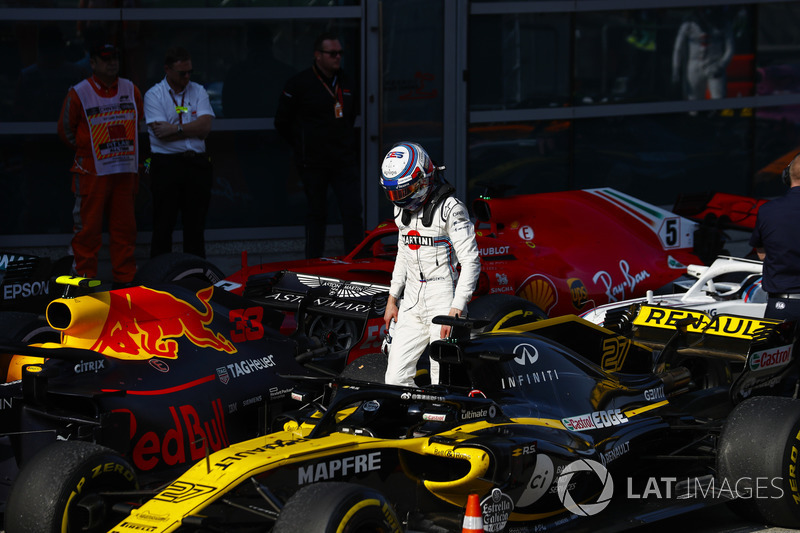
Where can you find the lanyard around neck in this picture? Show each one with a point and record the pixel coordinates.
(179, 109)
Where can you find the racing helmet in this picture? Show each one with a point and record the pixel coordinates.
(407, 175)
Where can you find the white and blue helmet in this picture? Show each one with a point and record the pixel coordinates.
(407, 175)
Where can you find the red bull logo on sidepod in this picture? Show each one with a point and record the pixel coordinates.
(144, 323)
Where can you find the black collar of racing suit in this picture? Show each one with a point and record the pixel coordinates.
(442, 191)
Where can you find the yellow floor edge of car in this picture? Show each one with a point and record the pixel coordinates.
(211, 477)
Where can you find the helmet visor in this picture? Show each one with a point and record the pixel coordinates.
(398, 195)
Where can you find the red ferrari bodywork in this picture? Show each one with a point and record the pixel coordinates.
(564, 251)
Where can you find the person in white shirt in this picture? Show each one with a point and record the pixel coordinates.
(179, 117)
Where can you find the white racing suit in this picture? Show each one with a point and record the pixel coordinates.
(426, 277)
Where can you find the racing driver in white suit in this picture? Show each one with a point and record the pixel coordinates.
(435, 236)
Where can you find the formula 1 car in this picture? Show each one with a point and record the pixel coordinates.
(27, 282)
(555, 424)
(729, 285)
(164, 373)
(563, 251)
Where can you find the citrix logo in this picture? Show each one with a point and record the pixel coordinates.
(585, 509)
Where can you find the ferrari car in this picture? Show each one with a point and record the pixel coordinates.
(557, 424)
(730, 285)
(563, 251)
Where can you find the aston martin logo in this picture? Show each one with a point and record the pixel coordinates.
(341, 288)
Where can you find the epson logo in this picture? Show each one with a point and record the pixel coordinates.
(26, 290)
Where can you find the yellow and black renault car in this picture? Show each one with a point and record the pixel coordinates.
(556, 424)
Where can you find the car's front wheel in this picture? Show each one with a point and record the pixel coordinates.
(759, 459)
(66, 488)
(332, 507)
(175, 267)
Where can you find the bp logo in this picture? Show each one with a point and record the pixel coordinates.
(585, 508)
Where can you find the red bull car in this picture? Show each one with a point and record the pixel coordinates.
(563, 251)
(555, 425)
(165, 373)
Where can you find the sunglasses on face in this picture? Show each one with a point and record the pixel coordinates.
(333, 53)
(182, 73)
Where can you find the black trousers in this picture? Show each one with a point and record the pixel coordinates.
(181, 185)
(346, 186)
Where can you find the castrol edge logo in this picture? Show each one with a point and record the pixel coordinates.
(595, 420)
(721, 325)
(772, 358)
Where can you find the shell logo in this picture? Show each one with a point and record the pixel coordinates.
(539, 290)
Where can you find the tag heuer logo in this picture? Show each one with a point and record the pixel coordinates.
(222, 372)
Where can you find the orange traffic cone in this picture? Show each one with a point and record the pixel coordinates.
(473, 519)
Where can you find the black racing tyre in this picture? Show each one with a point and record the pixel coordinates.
(29, 328)
(504, 311)
(331, 507)
(58, 491)
(759, 458)
(369, 367)
(175, 267)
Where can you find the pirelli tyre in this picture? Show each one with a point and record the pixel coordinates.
(759, 460)
(337, 507)
(65, 488)
(27, 328)
(175, 267)
(503, 311)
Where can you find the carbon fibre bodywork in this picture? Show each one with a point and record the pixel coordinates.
(557, 425)
(164, 374)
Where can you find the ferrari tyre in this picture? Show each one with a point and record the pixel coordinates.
(175, 267)
(759, 459)
(331, 507)
(58, 491)
(503, 311)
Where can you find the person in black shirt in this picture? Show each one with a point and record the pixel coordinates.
(316, 116)
(776, 239)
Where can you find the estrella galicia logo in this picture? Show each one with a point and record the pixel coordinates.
(565, 478)
(224, 377)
